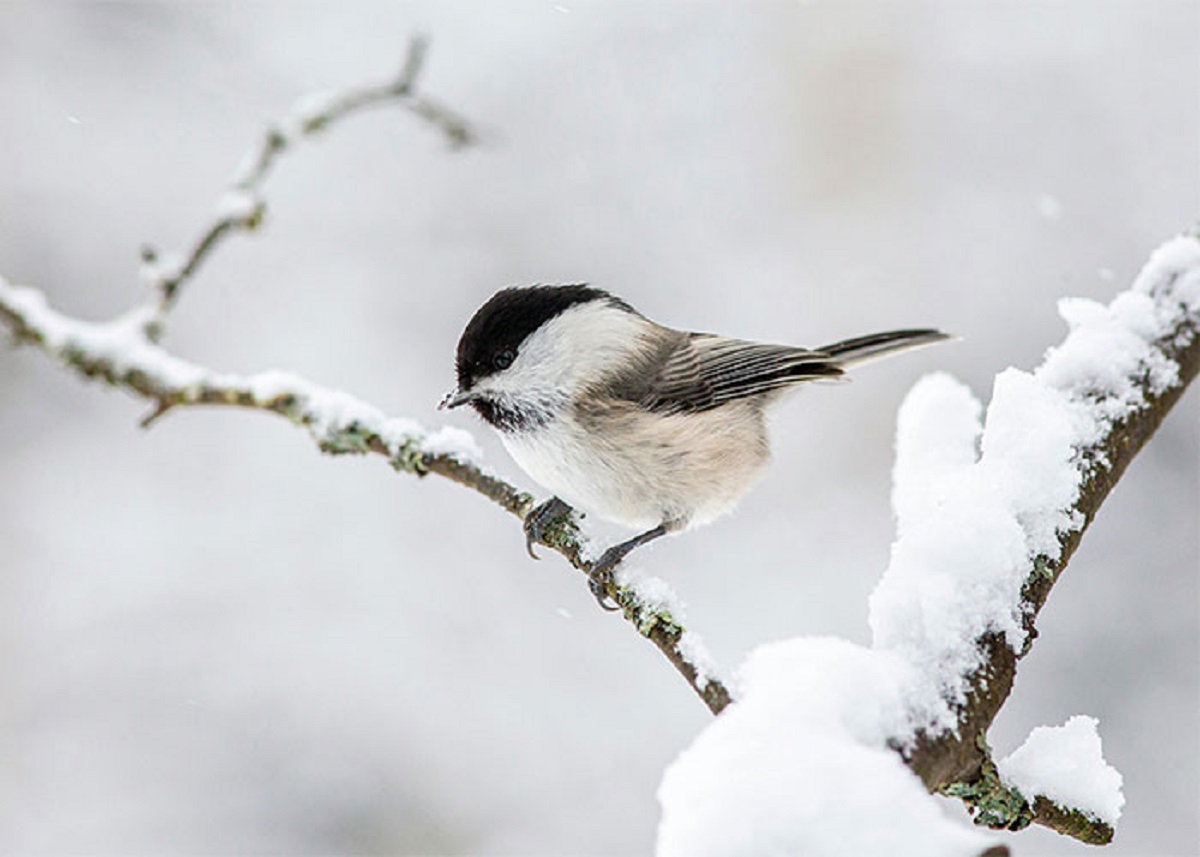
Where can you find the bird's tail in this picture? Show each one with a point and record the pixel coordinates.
(864, 349)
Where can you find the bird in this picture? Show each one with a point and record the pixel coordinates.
(657, 429)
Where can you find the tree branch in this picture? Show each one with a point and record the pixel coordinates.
(120, 354)
(125, 354)
(242, 208)
(958, 762)
(988, 511)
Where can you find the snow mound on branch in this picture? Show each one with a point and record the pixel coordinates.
(125, 348)
(970, 523)
(978, 505)
(1065, 764)
(805, 762)
(799, 766)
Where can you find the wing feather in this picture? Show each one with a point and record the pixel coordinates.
(705, 371)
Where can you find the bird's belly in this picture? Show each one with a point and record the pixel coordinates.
(647, 469)
(586, 475)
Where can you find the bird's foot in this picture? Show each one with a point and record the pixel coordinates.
(547, 524)
(600, 577)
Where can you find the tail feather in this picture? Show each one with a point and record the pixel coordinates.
(864, 349)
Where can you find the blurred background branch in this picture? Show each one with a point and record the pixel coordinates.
(243, 208)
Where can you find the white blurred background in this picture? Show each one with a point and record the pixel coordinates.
(214, 639)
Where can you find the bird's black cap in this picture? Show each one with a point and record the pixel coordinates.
(494, 334)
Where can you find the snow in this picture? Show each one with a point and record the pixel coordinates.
(798, 766)
(958, 564)
(653, 594)
(310, 109)
(448, 440)
(1066, 765)
(804, 762)
(121, 342)
(1029, 451)
(696, 653)
(656, 597)
(161, 268)
(238, 205)
(1175, 268)
(937, 435)
(970, 524)
(1123, 330)
(330, 415)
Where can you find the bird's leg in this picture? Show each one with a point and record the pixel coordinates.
(600, 574)
(542, 520)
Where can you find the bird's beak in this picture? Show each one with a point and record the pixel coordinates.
(455, 398)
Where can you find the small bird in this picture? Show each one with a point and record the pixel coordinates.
(658, 429)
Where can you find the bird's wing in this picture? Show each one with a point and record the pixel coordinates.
(704, 371)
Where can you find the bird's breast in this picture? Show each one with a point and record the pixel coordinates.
(643, 469)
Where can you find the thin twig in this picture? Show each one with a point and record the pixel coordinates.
(242, 209)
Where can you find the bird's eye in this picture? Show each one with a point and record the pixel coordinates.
(503, 360)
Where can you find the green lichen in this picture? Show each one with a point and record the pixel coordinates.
(351, 440)
(409, 458)
(1043, 568)
(650, 620)
(561, 533)
(992, 804)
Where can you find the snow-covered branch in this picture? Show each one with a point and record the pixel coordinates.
(1055, 443)
(121, 353)
(989, 511)
(126, 353)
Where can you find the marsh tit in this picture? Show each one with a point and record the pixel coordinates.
(657, 429)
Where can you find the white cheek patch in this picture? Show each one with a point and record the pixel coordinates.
(574, 348)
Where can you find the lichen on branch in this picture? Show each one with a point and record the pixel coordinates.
(1093, 403)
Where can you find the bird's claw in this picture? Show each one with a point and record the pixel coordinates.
(600, 579)
(544, 520)
(541, 520)
(599, 584)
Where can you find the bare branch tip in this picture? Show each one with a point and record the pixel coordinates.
(155, 415)
(418, 47)
(460, 136)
